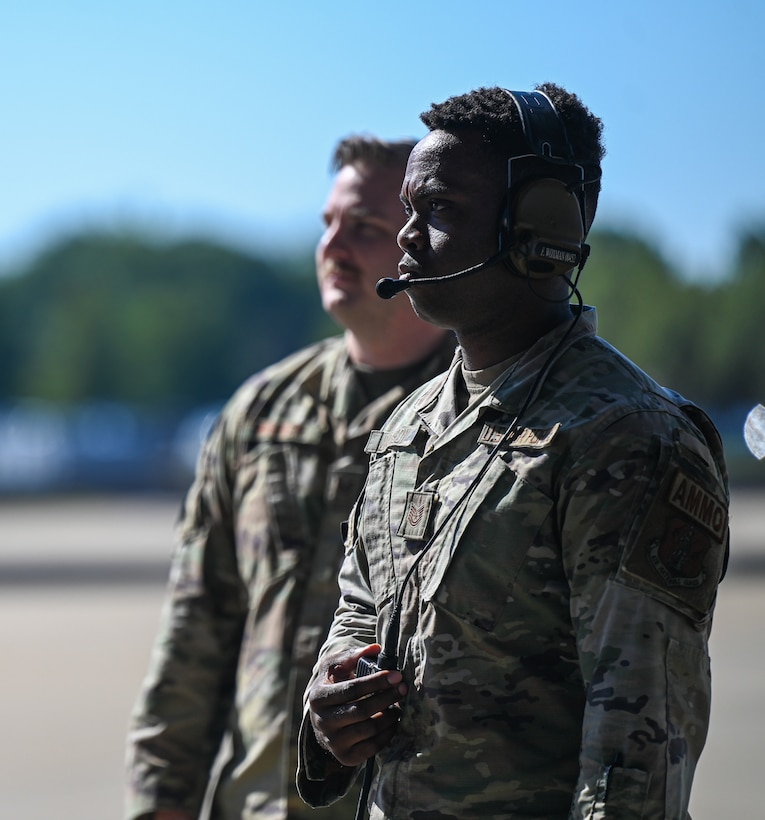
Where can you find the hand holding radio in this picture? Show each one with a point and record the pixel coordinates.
(354, 717)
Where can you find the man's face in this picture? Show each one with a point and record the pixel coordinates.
(453, 193)
(362, 216)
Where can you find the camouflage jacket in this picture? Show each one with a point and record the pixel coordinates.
(253, 588)
(554, 633)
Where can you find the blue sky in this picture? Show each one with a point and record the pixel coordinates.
(220, 117)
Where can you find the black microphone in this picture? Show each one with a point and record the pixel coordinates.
(387, 288)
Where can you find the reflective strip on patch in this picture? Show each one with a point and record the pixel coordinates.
(692, 500)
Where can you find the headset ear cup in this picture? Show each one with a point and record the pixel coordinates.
(518, 256)
(548, 229)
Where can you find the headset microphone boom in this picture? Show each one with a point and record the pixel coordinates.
(387, 288)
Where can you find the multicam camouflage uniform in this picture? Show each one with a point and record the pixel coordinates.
(554, 638)
(254, 586)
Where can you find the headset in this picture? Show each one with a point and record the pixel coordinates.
(542, 222)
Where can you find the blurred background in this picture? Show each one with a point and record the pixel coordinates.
(162, 173)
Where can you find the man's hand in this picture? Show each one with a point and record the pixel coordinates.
(353, 718)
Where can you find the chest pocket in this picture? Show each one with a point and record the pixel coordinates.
(476, 561)
(383, 507)
(278, 489)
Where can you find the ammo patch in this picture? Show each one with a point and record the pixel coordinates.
(699, 505)
(678, 554)
(681, 543)
(417, 512)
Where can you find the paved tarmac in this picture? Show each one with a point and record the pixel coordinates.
(81, 585)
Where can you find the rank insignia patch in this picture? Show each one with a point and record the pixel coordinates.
(417, 511)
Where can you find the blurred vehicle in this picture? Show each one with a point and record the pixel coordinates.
(98, 447)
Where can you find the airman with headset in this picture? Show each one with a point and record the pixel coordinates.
(531, 570)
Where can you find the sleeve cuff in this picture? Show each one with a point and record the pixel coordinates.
(321, 779)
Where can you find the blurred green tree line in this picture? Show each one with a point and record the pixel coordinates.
(123, 318)
(178, 324)
(704, 339)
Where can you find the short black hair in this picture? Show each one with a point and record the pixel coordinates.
(492, 113)
(365, 149)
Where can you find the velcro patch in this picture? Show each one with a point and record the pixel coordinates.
(417, 512)
(492, 434)
(699, 505)
(380, 440)
(536, 438)
(678, 554)
(680, 546)
(373, 442)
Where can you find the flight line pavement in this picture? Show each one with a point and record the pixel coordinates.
(81, 589)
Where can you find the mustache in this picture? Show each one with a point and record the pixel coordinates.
(330, 268)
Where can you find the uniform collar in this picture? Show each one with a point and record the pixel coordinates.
(437, 407)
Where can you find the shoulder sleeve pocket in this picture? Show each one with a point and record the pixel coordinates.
(677, 542)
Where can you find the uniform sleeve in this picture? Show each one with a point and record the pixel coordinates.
(645, 532)
(180, 716)
(321, 780)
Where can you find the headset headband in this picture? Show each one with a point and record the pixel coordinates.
(547, 140)
(542, 225)
(542, 126)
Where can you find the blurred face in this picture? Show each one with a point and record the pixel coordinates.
(362, 216)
